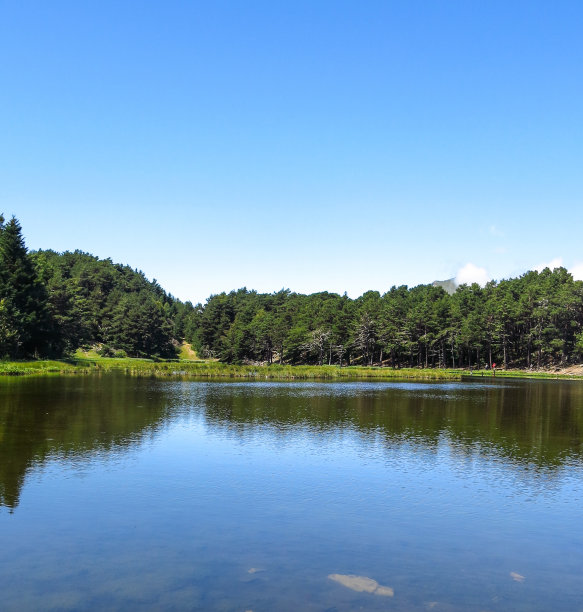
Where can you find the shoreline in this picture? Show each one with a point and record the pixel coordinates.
(214, 369)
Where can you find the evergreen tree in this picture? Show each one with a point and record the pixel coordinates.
(24, 323)
(139, 328)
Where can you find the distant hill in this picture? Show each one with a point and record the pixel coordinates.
(95, 302)
(449, 285)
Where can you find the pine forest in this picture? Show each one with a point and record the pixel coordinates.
(54, 303)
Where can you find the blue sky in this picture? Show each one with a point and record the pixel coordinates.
(312, 145)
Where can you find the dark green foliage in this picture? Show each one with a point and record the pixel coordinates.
(139, 327)
(24, 319)
(96, 301)
(52, 303)
(532, 321)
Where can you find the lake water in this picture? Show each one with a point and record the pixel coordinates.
(119, 493)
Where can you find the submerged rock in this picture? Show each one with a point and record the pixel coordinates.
(384, 590)
(362, 584)
(356, 583)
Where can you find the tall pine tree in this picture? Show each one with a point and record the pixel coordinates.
(23, 299)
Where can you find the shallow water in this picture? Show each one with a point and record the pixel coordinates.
(119, 493)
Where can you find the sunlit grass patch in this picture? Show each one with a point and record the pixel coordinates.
(186, 352)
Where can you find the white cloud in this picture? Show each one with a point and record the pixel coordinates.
(557, 262)
(577, 271)
(471, 273)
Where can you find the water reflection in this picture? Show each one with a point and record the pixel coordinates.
(72, 418)
(146, 494)
(535, 426)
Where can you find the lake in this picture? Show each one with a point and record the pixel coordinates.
(121, 493)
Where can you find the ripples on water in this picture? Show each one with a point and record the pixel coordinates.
(121, 493)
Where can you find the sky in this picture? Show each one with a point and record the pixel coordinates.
(311, 145)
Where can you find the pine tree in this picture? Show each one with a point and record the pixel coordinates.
(139, 328)
(24, 315)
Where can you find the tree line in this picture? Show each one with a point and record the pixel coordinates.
(532, 321)
(53, 303)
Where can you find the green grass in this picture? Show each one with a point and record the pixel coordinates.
(23, 368)
(280, 372)
(90, 362)
(535, 374)
(215, 369)
(83, 363)
(186, 353)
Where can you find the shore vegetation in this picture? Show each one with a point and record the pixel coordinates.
(87, 362)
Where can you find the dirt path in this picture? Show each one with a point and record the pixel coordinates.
(574, 370)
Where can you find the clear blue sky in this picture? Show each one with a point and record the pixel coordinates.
(340, 146)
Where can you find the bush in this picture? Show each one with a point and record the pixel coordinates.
(105, 351)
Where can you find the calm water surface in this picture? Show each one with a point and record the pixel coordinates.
(119, 493)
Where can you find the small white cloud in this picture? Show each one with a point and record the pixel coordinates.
(557, 262)
(500, 250)
(577, 271)
(472, 274)
(496, 232)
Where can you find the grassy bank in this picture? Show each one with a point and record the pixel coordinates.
(83, 364)
(214, 369)
(534, 374)
(42, 367)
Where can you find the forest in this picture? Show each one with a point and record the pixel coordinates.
(54, 303)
